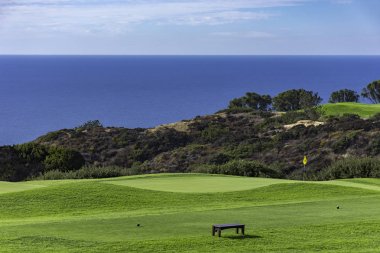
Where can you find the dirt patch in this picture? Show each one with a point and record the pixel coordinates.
(306, 123)
(182, 126)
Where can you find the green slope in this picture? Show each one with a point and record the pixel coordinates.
(363, 110)
(175, 213)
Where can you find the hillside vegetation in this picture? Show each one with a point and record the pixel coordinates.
(236, 141)
(174, 213)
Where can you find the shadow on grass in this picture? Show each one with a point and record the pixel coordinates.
(240, 237)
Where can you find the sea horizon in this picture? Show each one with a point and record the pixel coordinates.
(42, 93)
(200, 55)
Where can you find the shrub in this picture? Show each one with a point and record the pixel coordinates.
(353, 167)
(212, 133)
(375, 117)
(349, 117)
(235, 110)
(31, 152)
(344, 142)
(89, 124)
(241, 168)
(102, 172)
(244, 150)
(63, 160)
(52, 136)
(155, 143)
(126, 137)
(11, 165)
(89, 172)
(220, 158)
(374, 147)
(56, 175)
(315, 113)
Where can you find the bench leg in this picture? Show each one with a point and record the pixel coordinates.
(213, 231)
(219, 232)
(237, 230)
(242, 230)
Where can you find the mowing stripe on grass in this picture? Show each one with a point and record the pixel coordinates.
(355, 184)
(7, 187)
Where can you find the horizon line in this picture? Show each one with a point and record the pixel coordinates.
(240, 55)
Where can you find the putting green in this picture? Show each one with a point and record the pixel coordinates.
(195, 183)
(7, 187)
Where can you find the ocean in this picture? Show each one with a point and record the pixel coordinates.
(39, 94)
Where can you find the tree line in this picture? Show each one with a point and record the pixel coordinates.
(298, 99)
(28, 160)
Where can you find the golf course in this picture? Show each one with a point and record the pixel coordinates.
(362, 110)
(174, 213)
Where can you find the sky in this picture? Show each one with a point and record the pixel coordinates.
(190, 27)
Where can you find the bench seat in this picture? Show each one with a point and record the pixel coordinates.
(219, 227)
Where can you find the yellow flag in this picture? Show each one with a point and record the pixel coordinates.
(304, 160)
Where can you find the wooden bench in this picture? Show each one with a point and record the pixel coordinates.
(219, 227)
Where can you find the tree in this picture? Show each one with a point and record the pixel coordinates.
(12, 167)
(63, 160)
(252, 100)
(32, 156)
(90, 124)
(293, 100)
(237, 103)
(344, 95)
(31, 152)
(372, 92)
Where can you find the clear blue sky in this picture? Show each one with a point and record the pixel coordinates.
(188, 27)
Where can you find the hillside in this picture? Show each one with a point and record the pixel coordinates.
(238, 142)
(174, 213)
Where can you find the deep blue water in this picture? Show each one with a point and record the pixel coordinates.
(44, 93)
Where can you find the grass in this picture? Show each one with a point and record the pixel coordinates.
(197, 183)
(175, 213)
(363, 110)
(7, 187)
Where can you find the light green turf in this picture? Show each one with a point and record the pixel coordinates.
(373, 184)
(363, 110)
(6, 187)
(102, 215)
(197, 183)
(367, 181)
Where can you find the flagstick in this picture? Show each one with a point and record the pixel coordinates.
(304, 167)
(304, 171)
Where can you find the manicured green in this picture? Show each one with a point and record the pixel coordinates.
(175, 213)
(197, 183)
(363, 110)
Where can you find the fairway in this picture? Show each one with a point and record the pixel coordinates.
(197, 183)
(175, 214)
(363, 110)
(6, 187)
